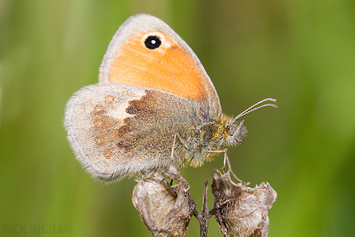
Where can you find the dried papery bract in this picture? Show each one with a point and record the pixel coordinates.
(240, 210)
(164, 209)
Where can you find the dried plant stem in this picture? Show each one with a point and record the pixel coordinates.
(204, 216)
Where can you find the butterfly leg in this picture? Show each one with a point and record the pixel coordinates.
(183, 142)
(172, 149)
(226, 161)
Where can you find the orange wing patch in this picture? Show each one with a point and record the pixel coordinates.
(168, 68)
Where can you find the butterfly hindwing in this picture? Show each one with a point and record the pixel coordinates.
(117, 130)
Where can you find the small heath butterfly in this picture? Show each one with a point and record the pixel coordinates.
(154, 106)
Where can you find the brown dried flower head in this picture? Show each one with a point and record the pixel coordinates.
(240, 210)
(164, 209)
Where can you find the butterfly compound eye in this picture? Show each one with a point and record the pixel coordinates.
(152, 42)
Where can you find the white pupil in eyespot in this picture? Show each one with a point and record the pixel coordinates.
(152, 42)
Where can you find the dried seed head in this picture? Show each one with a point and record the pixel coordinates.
(164, 209)
(240, 210)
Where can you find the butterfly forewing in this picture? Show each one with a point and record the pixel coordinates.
(173, 67)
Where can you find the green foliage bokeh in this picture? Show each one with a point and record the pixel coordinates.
(300, 52)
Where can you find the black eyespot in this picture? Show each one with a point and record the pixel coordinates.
(152, 42)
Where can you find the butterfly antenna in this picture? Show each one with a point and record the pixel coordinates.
(257, 106)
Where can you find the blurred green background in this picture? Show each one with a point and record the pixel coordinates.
(300, 52)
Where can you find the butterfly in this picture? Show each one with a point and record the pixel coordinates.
(154, 106)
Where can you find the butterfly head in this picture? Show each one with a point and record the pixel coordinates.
(235, 132)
